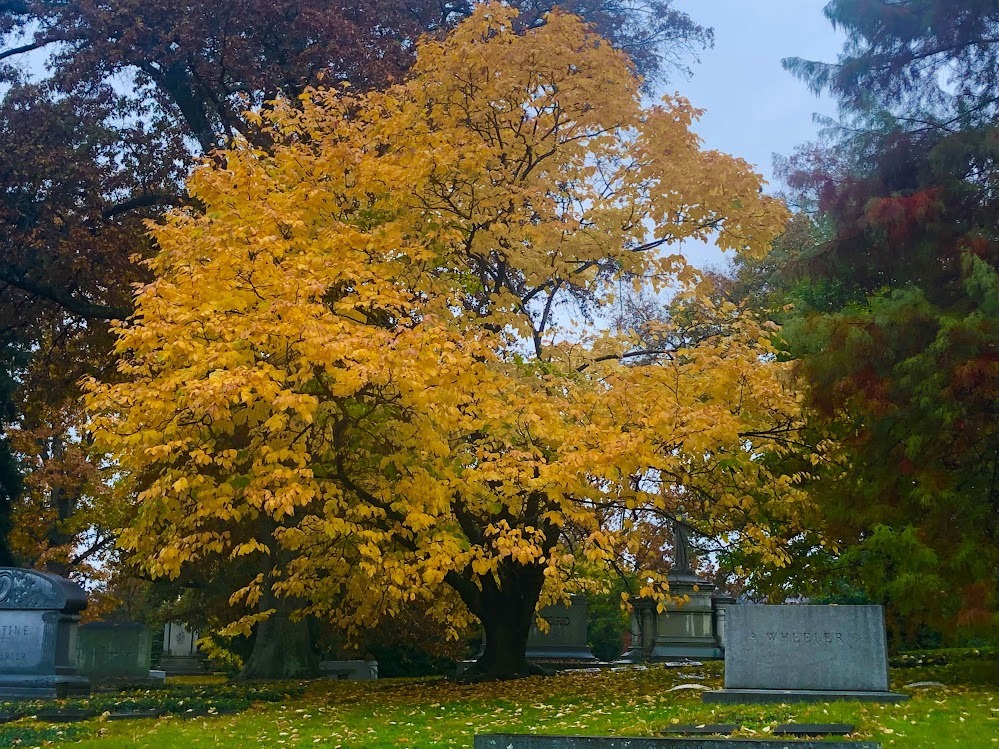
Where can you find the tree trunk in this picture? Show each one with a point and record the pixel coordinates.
(507, 614)
(282, 648)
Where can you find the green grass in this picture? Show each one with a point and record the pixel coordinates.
(440, 713)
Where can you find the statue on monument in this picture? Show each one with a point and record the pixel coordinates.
(681, 547)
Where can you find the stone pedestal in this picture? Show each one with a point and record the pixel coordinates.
(686, 631)
(695, 630)
(180, 650)
(112, 652)
(721, 604)
(39, 613)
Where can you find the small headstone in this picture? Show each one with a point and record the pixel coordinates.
(39, 613)
(813, 729)
(9, 716)
(114, 652)
(924, 685)
(805, 653)
(702, 728)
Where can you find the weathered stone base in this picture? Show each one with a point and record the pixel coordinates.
(763, 696)
(181, 665)
(695, 651)
(14, 687)
(115, 683)
(523, 741)
(580, 655)
(355, 670)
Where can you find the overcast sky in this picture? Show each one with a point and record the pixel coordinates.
(754, 108)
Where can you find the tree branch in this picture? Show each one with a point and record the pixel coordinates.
(147, 200)
(37, 44)
(73, 304)
(627, 355)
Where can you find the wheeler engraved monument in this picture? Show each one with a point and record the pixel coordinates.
(805, 653)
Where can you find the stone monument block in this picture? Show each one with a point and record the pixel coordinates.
(686, 630)
(39, 613)
(566, 638)
(805, 652)
(111, 651)
(690, 627)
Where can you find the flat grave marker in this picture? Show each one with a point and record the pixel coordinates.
(531, 741)
(813, 729)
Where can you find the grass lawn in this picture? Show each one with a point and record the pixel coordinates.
(438, 712)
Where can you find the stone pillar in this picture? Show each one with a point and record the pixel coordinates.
(721, 602)
(642, 633)
(39, 613)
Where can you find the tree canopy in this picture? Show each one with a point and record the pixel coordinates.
(371, 367)
(895, 324)
(105, 108)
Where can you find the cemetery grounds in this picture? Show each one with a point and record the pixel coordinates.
(959, 707)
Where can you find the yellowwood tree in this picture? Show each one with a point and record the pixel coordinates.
(357, 376)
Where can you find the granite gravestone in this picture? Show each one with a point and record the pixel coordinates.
(39, 613)
(805, 653)
(565, 642)
(111, 651)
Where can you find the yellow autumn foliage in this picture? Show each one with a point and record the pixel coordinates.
(357, 369)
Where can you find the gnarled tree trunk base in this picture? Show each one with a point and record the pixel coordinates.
(282, 648)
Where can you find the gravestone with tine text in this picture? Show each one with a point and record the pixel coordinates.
(39, 613)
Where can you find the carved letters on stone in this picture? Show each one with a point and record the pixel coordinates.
(38, 616)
